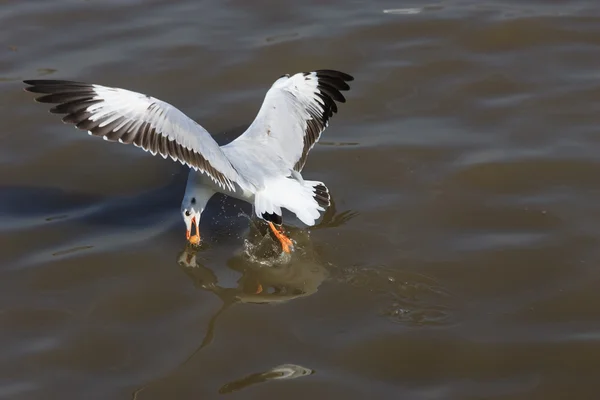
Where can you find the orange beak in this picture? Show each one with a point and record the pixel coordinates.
(188, 235)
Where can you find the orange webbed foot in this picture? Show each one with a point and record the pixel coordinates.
(286, 243)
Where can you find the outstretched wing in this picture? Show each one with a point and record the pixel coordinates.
(129, 117)
(294, 113)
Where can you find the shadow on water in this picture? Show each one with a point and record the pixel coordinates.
(53, 204)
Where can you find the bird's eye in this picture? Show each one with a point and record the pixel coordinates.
(187, 213)
(193, 200)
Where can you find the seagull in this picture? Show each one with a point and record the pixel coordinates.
(262, 166)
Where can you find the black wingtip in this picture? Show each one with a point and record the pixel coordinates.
(51, 85)
(36, 82)
(321, 195)
(335, 74)
(331, 84)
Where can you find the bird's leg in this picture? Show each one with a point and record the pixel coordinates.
(286, 243)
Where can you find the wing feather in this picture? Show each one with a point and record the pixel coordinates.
(133, 118)
(295, 112)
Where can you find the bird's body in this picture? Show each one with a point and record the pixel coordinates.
(262, 166)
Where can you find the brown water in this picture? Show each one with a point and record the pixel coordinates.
(461, 259)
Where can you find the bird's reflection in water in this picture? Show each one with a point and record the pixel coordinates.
(274, 279)
(267, 275)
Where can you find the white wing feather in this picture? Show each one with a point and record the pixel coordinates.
(294, 113)
(130, 117)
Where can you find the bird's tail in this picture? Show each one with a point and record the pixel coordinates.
(306, 199)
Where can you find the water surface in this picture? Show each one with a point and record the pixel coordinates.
(461, 257)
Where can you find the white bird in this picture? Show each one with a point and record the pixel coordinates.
(262, 166)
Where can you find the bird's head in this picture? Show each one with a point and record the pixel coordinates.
(193, 204)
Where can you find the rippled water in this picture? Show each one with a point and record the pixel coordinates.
(460, 259)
